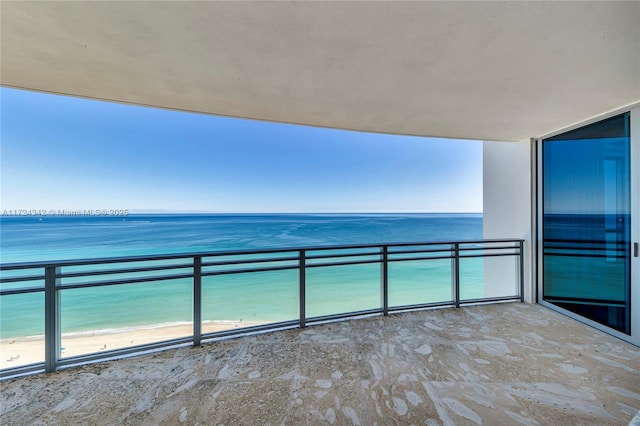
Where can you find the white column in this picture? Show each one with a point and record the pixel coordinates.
(507, 211)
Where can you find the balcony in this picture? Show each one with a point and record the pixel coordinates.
(508, 363)
(477, 360)
(499, 364)
(97, 309)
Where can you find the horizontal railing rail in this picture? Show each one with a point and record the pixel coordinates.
(53, 279)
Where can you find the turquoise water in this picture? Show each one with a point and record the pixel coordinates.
(257, 297)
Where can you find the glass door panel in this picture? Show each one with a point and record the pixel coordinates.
(586, 223)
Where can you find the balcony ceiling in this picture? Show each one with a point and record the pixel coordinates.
(480, 70)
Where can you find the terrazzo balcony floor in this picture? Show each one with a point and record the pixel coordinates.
(495, 364)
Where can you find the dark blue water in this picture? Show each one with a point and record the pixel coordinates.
(56, 237)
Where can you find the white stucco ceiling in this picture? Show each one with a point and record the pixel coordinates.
(480, 70)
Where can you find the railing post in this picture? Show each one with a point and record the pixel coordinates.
(197, 300)
(302, 288)
(455, 274)
(51, 319)
(521, 270)
(384, 280)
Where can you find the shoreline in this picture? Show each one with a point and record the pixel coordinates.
(19, 351)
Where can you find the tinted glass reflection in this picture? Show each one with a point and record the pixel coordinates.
(586, 221)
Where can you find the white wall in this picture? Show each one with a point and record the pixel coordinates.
(507, 210)
(635, 223)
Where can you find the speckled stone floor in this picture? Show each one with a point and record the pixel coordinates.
(495, 365)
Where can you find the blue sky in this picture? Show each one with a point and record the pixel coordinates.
(62, 152)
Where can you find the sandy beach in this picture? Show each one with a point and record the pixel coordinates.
(29, 350)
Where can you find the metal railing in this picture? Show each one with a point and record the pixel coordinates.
(54, 278)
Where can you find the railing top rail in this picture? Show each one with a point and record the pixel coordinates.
(188, 255)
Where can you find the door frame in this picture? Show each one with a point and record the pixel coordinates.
(635, 224)
(634, 110)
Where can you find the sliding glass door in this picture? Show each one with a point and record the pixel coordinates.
(586, 196)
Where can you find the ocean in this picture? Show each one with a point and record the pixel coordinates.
(251, 298)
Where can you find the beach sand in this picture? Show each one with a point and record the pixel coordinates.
(28, 350)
